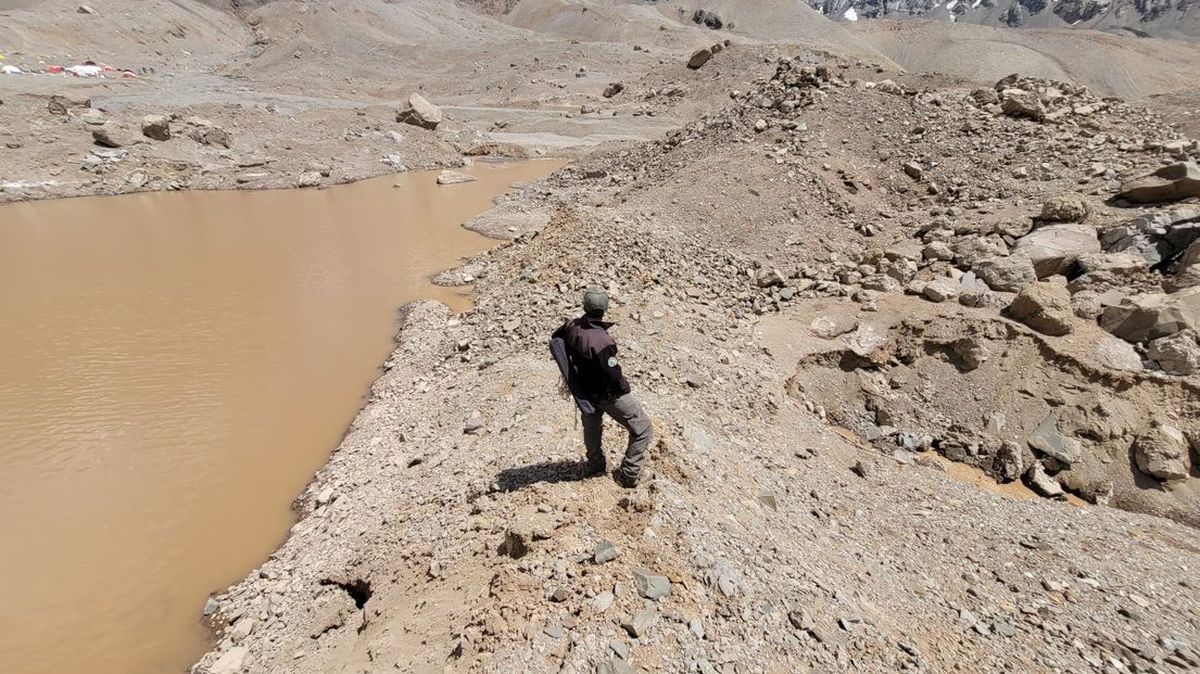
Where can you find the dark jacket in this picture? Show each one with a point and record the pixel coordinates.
(594, 356)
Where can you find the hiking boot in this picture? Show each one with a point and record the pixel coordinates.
(594, 470)
(624, 480)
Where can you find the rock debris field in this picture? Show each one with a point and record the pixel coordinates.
(822, 318)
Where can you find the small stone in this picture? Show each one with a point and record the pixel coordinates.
(242, 629)
(650, 585)
(231, 661)
(156, 127)
(309, 179)
(914, 170)
(454, 178)
(474, 424)
(1064, 208)
(559, 594)
(641, 623)
(606, 552)
(602, 601)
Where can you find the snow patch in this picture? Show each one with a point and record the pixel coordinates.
(950, 5)
(850, 15)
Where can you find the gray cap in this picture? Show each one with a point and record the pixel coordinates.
(595, 299)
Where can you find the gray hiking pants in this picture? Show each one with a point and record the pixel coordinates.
(628, 412)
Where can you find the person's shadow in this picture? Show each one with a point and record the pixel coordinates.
(511, 479)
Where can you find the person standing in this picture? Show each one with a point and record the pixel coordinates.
(595, 376)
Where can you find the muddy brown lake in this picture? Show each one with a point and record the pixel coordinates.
(173, 369)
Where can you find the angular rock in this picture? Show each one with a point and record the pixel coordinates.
(453, 178)
(1042, 483)
(699, 58)
(231, 661)
(1047, 439)
(605, 552)
(1162, 452)
(1006, 274)
(420, 112)
(769, 278)
(1122, 264)
(641, 623)
(970, 249)
(651, 585)
(1054, 249)
(109, 136)
(1009, 463)
(1064, 208)
(474, 423)
(1045, 307)
(309, 179)
(211, 135)
(156, 127)
(602, 601)
(914, 170)
(1187, 270)
(1145, 317)
(613, 89)
(1169, 183)
(1177, 354)
(941, 290)
(1021, 103)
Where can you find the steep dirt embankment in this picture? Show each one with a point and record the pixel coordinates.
(451, 530)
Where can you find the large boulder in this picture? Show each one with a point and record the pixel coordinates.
(1054, 249)
(1162, 452)
(1009, 274)
(420, 112)
(1064, 208)
(1177, 354)
(1021, 103)
(1169, 183)
(1045, 307)
(1145, 317)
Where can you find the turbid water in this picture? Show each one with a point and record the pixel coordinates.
(175, 368)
